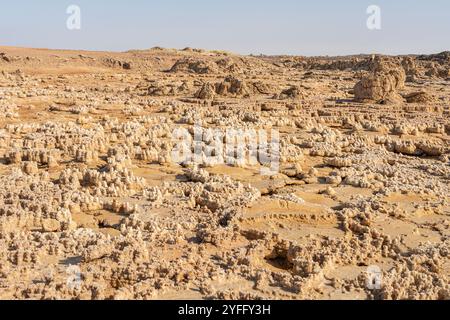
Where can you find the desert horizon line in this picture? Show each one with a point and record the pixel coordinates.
(223, 51)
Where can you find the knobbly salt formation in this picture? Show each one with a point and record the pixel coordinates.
(94, 205)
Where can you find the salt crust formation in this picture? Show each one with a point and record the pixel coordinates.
(92, 205)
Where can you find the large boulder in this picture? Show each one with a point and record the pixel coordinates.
(197, 66)
(232, 87)
(206, 92)
(381, 85)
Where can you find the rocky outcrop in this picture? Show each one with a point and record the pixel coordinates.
(382, 84)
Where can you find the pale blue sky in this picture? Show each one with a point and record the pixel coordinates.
(314, 27)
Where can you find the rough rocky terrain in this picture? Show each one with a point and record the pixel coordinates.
(92, 205)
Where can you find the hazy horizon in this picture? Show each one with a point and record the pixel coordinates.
(285, 27)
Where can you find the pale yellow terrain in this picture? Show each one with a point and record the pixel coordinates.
(93, 207)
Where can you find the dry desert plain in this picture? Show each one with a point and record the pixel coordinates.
(93, 205)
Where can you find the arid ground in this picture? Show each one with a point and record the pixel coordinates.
(93, 205)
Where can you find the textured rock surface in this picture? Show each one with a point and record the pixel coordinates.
(386, 77)
(92, 205)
